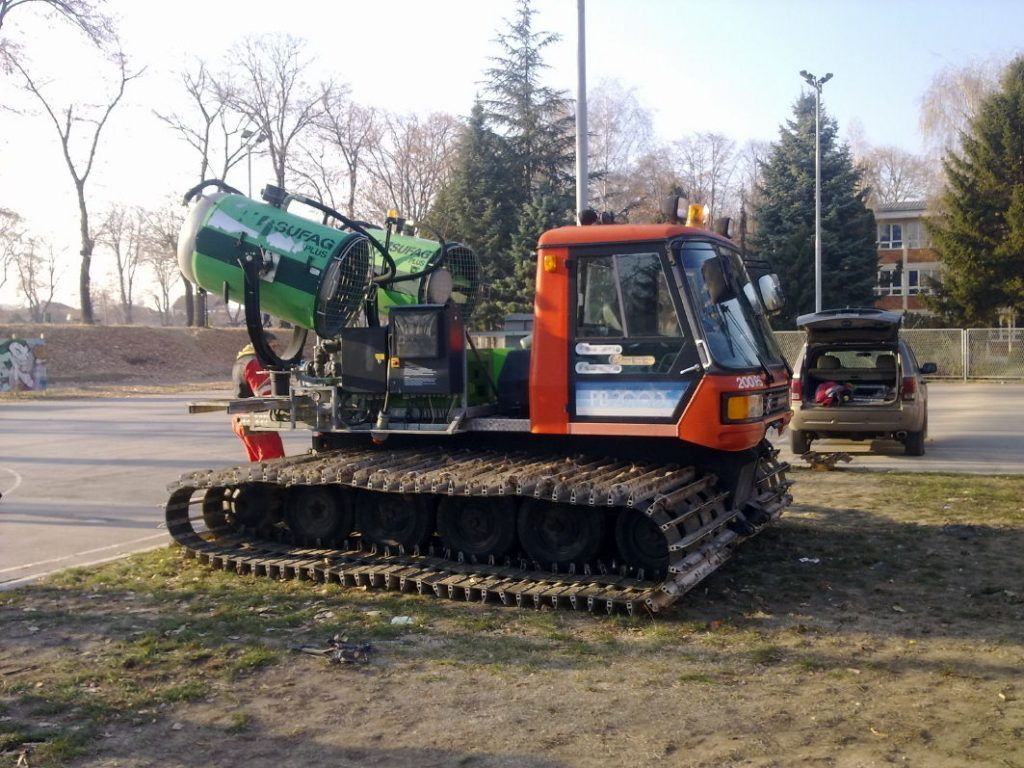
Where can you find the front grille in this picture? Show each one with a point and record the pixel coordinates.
(776, 400)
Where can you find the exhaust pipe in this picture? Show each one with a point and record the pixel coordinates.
(901, 435)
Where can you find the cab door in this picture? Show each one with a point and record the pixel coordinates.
(632, 358)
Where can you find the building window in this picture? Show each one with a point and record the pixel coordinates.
(922, 280)
(915, 234)
(890, 236)
(889, 282)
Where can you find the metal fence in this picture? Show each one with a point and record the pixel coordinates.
(972, 353)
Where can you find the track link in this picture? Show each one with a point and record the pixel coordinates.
(690, 512)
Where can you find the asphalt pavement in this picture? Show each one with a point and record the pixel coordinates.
(973, 427)
(84, 480)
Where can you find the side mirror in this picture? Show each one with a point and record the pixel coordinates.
(928, 368)
(771, 293)
(714, 278)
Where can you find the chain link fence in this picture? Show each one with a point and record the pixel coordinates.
(994, 353)
(972, 353)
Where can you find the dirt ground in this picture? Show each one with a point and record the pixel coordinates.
(881, 623)
(94, 356)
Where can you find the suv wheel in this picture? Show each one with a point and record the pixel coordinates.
(799, 441)
(914, 444)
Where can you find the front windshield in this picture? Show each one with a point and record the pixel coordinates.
(736, 330)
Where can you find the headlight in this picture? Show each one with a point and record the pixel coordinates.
(740, 408)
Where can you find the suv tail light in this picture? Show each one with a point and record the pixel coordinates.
(795, 389)
(909, 388)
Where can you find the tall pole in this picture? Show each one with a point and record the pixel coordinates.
(816, 83)
(817, 199)
(581, 108)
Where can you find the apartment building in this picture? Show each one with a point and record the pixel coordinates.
(908, 268)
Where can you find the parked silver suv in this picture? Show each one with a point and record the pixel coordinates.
(856, 379)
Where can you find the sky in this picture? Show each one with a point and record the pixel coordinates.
(729, 66)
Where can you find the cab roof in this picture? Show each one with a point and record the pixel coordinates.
(620, 233)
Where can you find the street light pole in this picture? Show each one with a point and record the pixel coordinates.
(816, 83)
(582, 172)
(246, 135)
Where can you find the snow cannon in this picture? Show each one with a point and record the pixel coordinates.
(315, 274)
(310, 275)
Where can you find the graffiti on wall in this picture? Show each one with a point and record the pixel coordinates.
(20, 366)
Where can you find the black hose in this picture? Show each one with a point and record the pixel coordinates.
(430, 267)
(357, 227)
(250, 260)
(193, 193)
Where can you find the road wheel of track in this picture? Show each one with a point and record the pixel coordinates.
(641, 542)
(395, 519)
(479, 526)
(318, 513)
(799, 442)
(256, 505)
(216, 512)
(560, 534)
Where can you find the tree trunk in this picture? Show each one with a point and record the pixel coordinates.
(352, 192)
(84, 286)
(190, 315)
(201, 316)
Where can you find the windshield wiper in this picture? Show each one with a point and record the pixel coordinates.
(750, 343)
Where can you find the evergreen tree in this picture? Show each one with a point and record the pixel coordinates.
(536, 120)
(981, 234)
(478, 208)
(514, 170)
(785, 218)
(545, 210)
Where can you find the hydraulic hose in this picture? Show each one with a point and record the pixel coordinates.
(195, 191)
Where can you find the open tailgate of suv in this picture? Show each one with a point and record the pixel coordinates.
(851, 325)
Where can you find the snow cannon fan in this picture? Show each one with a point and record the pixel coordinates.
(301, 271)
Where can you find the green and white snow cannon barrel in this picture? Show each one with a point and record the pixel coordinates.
(458, 277)
(312, 275)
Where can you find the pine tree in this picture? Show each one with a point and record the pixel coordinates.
(785, 218)
(545, 210)
(536, 120)
(478, 208)
(980, 235)
(514, 172)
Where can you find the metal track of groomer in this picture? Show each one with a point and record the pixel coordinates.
(699, 528)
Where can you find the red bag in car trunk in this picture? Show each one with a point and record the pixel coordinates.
(831, 393)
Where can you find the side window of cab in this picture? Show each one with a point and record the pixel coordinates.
(625, 300)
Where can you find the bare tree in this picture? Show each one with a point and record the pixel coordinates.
(163, 267)
(160, 253)
(220, 135)
(345, 132)
(952, 100)
(12, 235)
(411, 163)
(749, 167)
(620, 133)
(706, 163)
(893, 175)
(37, 276)
(83, 14)
(122, 231)
(71, 117)
(270, 90)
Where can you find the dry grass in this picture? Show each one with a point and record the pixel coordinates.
(901, 643)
